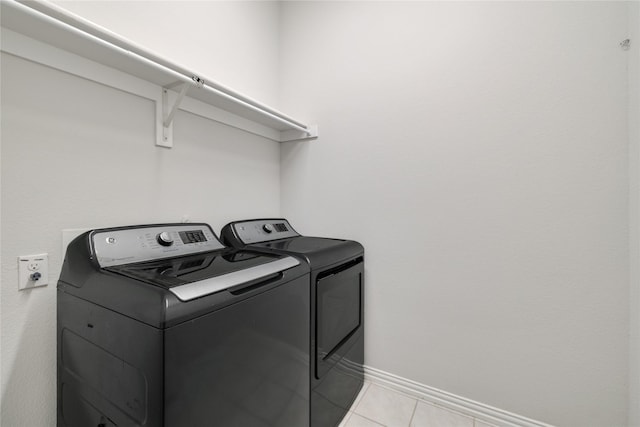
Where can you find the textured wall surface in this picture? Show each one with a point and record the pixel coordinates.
(479, 151)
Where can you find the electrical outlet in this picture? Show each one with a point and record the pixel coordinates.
(33, 271)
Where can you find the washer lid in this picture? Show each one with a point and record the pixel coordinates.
(303, 244)
(277, 235)
(207, 273)
(319, 252)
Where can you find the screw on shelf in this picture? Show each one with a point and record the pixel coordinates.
(198, 81)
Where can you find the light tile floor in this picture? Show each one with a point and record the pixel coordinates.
(378, 406)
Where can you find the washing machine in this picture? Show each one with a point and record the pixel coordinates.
(163, 326)
(337, 311)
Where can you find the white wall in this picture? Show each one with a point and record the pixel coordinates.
(231, 42)
(79, 154)
(485, 144)
(479, 152)
(634, 212)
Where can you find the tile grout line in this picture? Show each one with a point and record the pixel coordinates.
(396, 392)
(358, 400)
(416, 400)
(475, 422)
(372, 420)
(346, 419)
(421, 399)
(413, 414)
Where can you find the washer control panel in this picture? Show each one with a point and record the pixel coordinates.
(117, 246)
(263, 230)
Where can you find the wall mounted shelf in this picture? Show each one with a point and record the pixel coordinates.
(27, 26)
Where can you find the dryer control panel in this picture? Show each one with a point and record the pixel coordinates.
(262, 230)
(126, 245)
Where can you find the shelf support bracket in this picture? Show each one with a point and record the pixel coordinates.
(168, 118)
(168, 113)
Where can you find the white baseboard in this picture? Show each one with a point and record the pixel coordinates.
(477, 410)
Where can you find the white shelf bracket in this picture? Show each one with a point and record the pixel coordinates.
(168, 113)
(168, 118)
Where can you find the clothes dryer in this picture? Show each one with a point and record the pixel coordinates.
(337, 308)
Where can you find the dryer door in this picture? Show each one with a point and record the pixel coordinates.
(339, 314)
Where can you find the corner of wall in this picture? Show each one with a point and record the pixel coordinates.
(1, 322)
(634, 212)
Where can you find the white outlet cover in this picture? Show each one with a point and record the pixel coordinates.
(31, 265)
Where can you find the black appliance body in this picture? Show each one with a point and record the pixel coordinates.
(337, 313)
(162, 326)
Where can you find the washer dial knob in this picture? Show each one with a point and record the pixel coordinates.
(164, 239)
(268, 228)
